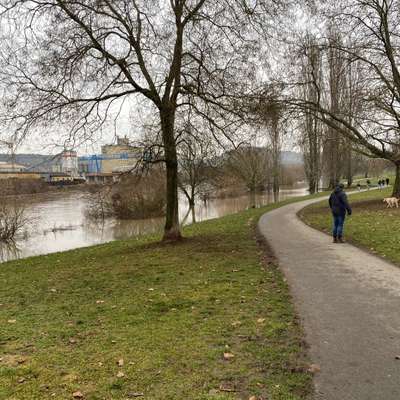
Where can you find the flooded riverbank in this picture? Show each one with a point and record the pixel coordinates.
(59, 221)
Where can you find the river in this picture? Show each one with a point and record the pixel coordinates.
(59, 221)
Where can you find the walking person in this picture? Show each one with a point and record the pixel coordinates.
(387, 181)
(339, 205)
(368, 184)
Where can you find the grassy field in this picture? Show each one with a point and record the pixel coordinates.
(206, 319)
(372, 225)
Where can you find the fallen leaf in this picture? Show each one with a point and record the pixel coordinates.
(72, 340)
(53, 290)
(99, 301)
(12, 321)
(236, 323)
(228, 356)
(120, 362)
(21, 380)
(260, 320)
(253, 398)
(120, 374)
(77, 395)
(314, 368)
(135, 394)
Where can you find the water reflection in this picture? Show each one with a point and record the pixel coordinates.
(60, 221)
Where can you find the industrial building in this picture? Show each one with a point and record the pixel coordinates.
(66, 163)
(113, 160)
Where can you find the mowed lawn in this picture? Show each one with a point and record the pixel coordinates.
(372, 225)
(208, 318)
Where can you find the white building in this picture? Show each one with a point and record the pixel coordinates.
(67, 163)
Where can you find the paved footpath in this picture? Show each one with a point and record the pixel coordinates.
(349, 303)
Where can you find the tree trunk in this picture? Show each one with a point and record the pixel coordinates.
(312, 186)
(172, 228)
(193, 214)
(252, 198)
(276, 162)
(396, 186)
(349, 165)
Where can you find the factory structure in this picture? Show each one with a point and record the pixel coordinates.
(68, 168)
(114, 160)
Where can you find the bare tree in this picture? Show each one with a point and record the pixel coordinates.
(311, 128)
(269, 115)
(70, 62)
(252, 165)
(195, 158)
(372, 43)
(333, 144)
(13, 220)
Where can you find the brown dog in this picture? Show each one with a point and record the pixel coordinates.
(391, 202)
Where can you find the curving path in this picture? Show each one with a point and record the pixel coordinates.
(349, 303)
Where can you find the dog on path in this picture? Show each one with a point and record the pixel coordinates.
(391, 202)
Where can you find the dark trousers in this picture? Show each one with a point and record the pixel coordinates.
(338, 223)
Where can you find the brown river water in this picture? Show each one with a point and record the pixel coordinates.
(59, 222)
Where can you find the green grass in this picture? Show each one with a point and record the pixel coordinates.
(169, 311)
(371, 226)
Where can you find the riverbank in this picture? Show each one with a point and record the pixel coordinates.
(45, 190)
(208, 318)
(61, 222)
(372, 226)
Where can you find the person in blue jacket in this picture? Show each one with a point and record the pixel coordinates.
(340, 206)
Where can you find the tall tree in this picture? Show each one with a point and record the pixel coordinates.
(311, 129)
(372, 41)
(333, 145)
(67, 63)
(268, 113)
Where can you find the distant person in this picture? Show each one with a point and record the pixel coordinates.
(387, 181)
(339, 206)
(379, 184)
(358, 186)
(368, 183)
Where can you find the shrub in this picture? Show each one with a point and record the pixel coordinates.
(14, 186)
(12, 220)
(134, 197)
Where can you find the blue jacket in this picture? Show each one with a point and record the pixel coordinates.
(338, 202)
